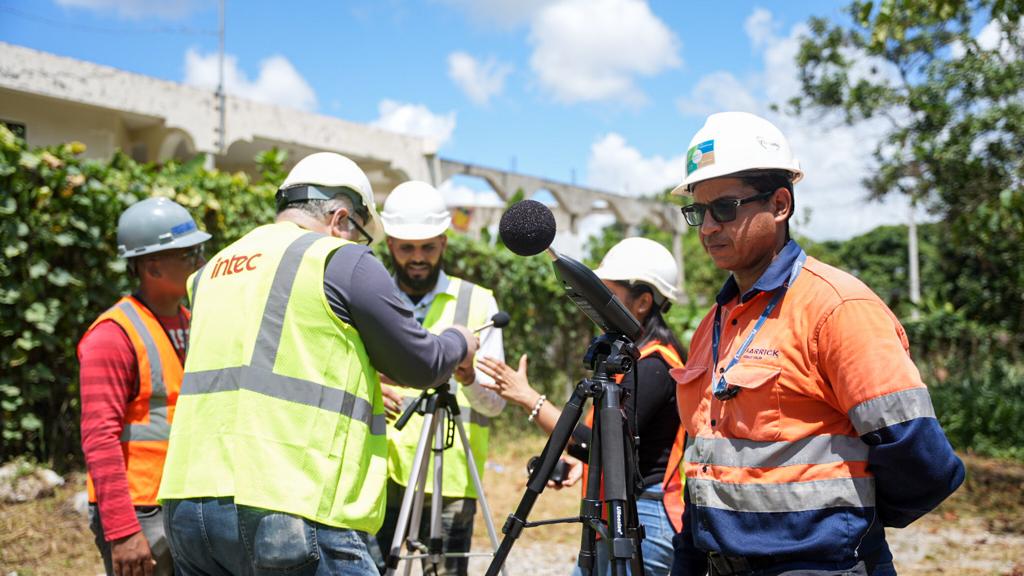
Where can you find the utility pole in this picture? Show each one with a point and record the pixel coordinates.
(915, 280)
(221, 104)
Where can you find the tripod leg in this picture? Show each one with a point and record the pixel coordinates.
(556, 444)
(481, 497)
(614, 473)
(590, 506)
(417, 503)
(436, 543)
(402, 527)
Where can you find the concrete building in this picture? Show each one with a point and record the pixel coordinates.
(53, 99)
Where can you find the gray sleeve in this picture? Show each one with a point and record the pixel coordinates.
(361, 293)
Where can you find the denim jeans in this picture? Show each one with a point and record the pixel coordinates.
(214, 537)
(657, 543)
(152, 521)
(456, 529)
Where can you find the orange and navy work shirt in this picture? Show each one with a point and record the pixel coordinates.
(831, 435)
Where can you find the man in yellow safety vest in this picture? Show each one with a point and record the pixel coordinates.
(278, 457)
(415, 220)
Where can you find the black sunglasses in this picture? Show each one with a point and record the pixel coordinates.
(723, 210)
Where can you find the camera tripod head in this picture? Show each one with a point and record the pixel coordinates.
(610, 354)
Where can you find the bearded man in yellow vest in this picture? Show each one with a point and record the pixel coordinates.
(278, 457)
(415, 220)
(130, 372)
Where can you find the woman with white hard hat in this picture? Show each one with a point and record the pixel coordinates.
(643, 275)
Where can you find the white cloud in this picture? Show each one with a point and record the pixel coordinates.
(594, 50)
(991, 37)
(617, 167)
(835, 157)
(415, 119)
(715, 92)
(278, 82)
(136, 9)
(479, 80)
(760, 27)
(466, 197)
(504, 13)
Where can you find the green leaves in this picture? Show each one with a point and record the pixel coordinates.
(955, 106)
(59, 269)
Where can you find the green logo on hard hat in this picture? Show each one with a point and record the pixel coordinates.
(700, 155)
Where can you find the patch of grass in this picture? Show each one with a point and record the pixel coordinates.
(505, 483)
(47, 536)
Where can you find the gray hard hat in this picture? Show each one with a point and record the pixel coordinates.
(155, 225)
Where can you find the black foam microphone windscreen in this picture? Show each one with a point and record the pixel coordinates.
(501, 319)
(527, 227)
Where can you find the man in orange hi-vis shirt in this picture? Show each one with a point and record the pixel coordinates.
(809, 427)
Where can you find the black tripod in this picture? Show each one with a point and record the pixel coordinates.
(612, 458)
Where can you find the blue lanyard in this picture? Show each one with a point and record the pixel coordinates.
(722, 390)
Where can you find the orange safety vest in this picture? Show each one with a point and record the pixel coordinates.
(674, 481)
(148, 417)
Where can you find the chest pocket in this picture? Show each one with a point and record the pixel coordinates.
(755, 412)
(690, 383)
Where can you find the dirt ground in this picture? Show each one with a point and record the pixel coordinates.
(978, 531)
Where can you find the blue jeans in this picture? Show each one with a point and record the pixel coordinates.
(214, 537)
(657, 543)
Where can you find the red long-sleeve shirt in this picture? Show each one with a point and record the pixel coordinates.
(109, 380)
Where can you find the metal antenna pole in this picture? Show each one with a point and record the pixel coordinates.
(221, 135)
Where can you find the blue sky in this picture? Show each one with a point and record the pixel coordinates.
(608, 92)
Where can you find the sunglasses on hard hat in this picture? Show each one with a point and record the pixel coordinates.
(723, 210)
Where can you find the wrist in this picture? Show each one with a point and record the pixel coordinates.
(528, 399)
(537, 407)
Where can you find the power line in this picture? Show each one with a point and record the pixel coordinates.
(182, 30)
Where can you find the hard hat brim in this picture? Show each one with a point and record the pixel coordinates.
(187, 241)
(416, 231)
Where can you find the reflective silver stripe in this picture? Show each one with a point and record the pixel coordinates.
(787, 497)
(195, 286)
(268, 339)
(891, 409)
(822, 449)
(157, 428)
(462, 302)
(466, 414)
(286, 388)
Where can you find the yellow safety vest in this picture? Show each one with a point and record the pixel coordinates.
(467, 304)
(280, 407)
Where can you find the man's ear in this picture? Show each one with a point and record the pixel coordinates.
(337, 218)
(782, 204)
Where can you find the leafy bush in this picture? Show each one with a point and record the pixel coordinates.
(60, 270)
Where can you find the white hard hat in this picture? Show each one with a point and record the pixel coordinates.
(642, 260)
(731, 142)
(415, 211)
(324, 175)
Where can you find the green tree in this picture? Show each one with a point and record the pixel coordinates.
(946, 74)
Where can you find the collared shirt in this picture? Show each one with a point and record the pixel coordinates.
(773, 277)
(831, 434)
(484, 401)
